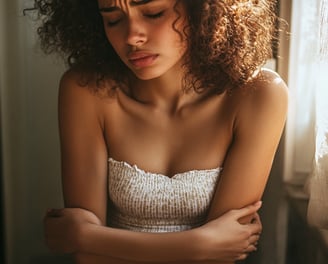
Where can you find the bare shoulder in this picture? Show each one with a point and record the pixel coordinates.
(264, 98)
(269, 87)
(71, 87)
(71, 79)
(75, 84)
(267, 90)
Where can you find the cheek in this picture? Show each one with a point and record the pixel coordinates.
(114, 40)
(175, 33)
(169, 36)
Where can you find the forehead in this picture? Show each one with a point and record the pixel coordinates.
(106, 3)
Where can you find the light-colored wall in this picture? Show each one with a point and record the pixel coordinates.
(30, 149)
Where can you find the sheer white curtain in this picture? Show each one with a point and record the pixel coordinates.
(307, 125)
(318, 182)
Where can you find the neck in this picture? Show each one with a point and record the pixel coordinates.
(163, 93)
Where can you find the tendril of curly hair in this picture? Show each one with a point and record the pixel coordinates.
(228, 40)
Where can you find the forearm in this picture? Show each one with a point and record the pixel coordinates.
(140, 247)
(78, 231)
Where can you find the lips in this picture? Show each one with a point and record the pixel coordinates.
(142, 59)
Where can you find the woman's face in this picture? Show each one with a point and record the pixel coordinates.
(143, 34)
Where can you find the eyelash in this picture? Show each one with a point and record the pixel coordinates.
(151, 16)
(112, 24)
(155, 16)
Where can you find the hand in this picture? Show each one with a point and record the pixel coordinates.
(227, 240)
(63, 228)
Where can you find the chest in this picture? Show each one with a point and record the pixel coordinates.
(197, 138)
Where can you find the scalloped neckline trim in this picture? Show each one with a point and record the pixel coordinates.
(176, 175)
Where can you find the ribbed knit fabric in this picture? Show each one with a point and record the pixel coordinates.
(150, 202)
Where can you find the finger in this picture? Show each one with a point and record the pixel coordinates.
(255, 224)
(248, 210)
(255, 228)
(54, 212)
(242, 256)
(256, 218)
(250, 249)
(254, 239)
(48, 225)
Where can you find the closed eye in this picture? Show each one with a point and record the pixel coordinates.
(155, 16)
(112, 20)
(113, 23)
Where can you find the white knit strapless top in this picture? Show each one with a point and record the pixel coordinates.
(150, 202)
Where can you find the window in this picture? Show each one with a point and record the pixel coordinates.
(306, 157)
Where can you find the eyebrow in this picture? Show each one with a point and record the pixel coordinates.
(132, 3)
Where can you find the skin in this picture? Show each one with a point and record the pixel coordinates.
(154, 124)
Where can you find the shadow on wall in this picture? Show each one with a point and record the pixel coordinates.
(30, 143)
(2, 235)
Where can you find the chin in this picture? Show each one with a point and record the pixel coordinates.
(147, 74)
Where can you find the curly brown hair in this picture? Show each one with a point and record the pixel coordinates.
(228, 40)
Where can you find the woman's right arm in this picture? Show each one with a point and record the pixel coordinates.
(84, 176)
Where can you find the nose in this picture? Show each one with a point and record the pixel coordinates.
(136, 33)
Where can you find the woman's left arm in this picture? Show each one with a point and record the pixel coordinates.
(258, 126)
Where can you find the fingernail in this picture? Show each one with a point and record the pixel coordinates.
(259, 203)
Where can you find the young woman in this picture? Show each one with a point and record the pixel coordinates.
(168, 127)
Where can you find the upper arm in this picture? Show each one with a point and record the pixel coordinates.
(257, 131)
(83, 150)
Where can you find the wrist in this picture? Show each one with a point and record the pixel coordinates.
(200, 243)
(84, 238)
(209, 245)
